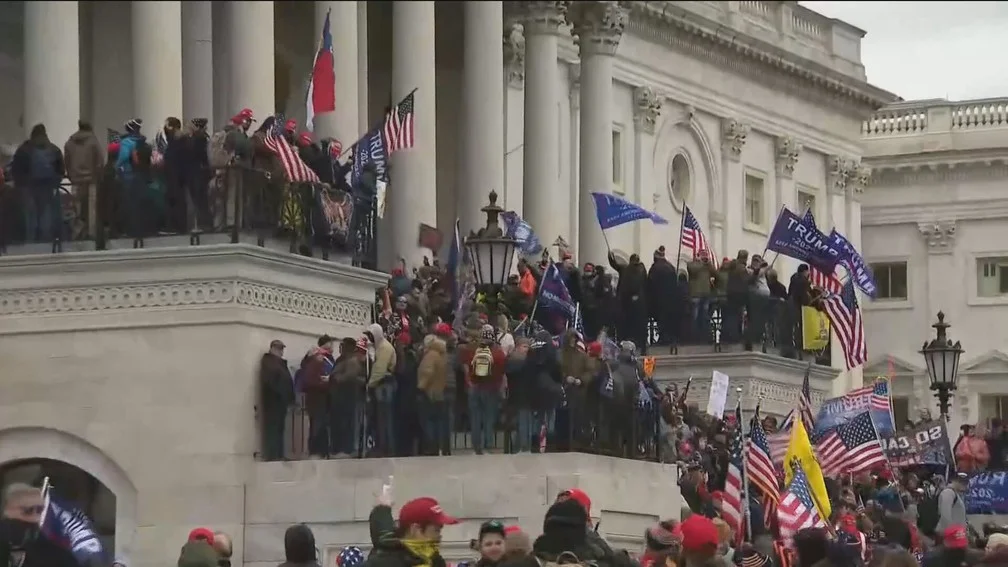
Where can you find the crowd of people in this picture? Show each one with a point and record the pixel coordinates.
(187, 179)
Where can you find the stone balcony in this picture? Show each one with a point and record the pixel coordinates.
(916, 128)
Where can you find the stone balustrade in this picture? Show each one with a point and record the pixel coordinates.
(936, 125)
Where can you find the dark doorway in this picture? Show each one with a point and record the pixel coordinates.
(74, 486)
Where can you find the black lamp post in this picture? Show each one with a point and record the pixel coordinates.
(491, 253)
(942, 359)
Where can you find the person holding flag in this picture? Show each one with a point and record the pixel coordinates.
(801, 460)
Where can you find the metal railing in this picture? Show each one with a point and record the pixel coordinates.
(240, 202)
(595, 427)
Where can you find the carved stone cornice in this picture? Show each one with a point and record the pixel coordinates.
(838, 170)
(514, 54)
(598, 25)
(922, 212)
(734, 134)
(938, 235)
(647, 108)
(762, 63)
(935, 173)
(788, 151)
(544, 17)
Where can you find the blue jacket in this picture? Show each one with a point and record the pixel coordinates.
(127, 145)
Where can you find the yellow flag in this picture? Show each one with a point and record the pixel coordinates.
(649, 364)
(815, 329)
(800, 454)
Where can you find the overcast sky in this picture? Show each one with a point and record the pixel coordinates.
(921, 50)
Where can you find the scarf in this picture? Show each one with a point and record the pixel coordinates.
(424, 549)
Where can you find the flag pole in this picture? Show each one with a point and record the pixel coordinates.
(765, 248)
(682, 223)
(354, 145)
(745, 474)
(45, 496)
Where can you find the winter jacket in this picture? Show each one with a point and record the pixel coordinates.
(384, 363)
(465, 357)
(275, 382)
(995, 558)
(432, 374)
(21, 164)
(84, 157)
(127, 146)
(700, 274)
(197, 554)
(387, 550)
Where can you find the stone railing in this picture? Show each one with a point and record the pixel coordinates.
(936, 116)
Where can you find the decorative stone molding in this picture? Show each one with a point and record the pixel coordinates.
(734, 135)
(514, 54)
(598, 25)
(858, 179)
(544, 17)
(182, 294)
(788, 151)
(938, 235)
(838, 173)
(688, 113)
(574, 84)
(647, 108)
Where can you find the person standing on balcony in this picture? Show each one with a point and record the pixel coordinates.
(316, 366)
(632, 294)
(381, 383)
(346, 400)
(483, 364)
(701, 285)
(196, 174)
(37, 169)
(85, 159)
(276, 395)
(432, 384)
(661, 280)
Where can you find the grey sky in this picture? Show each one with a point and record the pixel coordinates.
(922, 50)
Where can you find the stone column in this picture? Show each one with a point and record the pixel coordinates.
(157, 62)
(733, 139)
(540, 172)
(482, 158)
(514, 80)
(412, 198)
(599, 27)
(52, 68)
(573, 151)
(787, 151)
(647, 108)
(253, 77)
(197, 60)
(363, 120)
(222, 62)
(344, 123)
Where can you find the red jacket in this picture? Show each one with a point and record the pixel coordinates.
(465, 355)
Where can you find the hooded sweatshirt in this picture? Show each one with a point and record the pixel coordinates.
(432, 374)
(84, 157)
(299, 547)
(384, 357)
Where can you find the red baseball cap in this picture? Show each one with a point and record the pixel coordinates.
(425, 512)
(511, 529)
(205, 534)
(699, 534)
(579, 496)
(955, 537)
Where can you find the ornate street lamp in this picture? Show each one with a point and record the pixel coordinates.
(942, 359)
(491, 252)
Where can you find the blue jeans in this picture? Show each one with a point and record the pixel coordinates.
(484, 407)
(435, 419)
(41, 212)
(385, 420)
(529, 426)
(701, 318)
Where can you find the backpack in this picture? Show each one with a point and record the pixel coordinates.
(567, 558)
(217, 154)
(42, 166)
(928, 515)
(482, 363)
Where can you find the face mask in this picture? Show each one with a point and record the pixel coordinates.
(17, 533)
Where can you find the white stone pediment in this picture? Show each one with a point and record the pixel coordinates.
(880, 367)
(991, 362)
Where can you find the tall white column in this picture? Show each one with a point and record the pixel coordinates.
(198, 60)
(52, 68)
(363, 118)
(253, 78)
(647, 109)
(599, 26)
(482, 159)
(541, 200)
(157, 62)
(222, 62)
(341, 124)
(412, 197)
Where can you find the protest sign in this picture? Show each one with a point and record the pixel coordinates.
(987, 494)
(926, 444)
(718, 394)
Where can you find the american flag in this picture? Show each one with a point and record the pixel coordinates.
(828, 282)
(805, 402)
(797, 511)
(578, 326)
(758, 463)
(779, 441)
(851, 448)
(295, 169)
(845, 318)
(875, 397)
(734, 493)
(692, 236)
(398, 127)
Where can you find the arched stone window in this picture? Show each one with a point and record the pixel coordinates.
(679, 180)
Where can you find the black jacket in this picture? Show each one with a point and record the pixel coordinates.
(387, 550)
(275, 382)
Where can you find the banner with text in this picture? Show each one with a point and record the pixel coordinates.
(859, 270)
(987, 494)
(835, 412)
(926, 444)
(795, 238)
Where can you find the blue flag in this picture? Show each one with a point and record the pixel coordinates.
(553, 293)
(795, 238)
(614, 211)
(859, 270)
(370, 149)
(72, 530)
(517, 228)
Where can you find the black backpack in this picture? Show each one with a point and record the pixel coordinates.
(928, 515)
